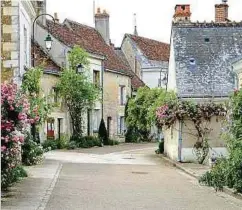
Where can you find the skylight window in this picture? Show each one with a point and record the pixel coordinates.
(207, 40)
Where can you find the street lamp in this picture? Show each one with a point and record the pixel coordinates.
(80, 68)
(48, 40)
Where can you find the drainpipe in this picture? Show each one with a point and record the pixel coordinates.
(180, 142)
(102, 85)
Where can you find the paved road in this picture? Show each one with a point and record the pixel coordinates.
(132, 178)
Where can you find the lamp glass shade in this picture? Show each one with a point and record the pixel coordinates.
(48, 42)
(80, 68)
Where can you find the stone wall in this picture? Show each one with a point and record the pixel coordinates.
(9, 42)
(111, 105)
(149, 71)
(188, 138)
(49, 81)
(130, 54)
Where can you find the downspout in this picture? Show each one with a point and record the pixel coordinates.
(180, 141)
(102, 84)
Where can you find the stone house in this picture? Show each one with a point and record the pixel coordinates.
(107, 69)
(58, 122)
(147, 58)
(200, 69)
(16, 26)
(237, 66)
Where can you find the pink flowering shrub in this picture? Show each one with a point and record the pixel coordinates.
(15, 119)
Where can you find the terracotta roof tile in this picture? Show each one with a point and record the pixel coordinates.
(152, 49)
(72, 33)
(43, 60)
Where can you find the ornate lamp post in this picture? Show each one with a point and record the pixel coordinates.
(48, 40)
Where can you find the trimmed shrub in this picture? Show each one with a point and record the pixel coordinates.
(62, 142)
(72, 145)
(32, 153)
(113, 142)
(102, 133)
(131, 136)
(50, 145)
(87, 141)
(161, 147)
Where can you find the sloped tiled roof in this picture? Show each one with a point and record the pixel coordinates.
(152, 49)
(204, 53)
(43, 60)
(136, 82)
(72, 33)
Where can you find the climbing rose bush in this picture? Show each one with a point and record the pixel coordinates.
(15, 120)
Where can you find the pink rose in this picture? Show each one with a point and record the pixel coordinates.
(3, 148)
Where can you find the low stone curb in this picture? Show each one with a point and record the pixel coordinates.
(48, 193)
(226, 190)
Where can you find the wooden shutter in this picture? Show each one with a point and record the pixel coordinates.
(118, 125)
(124, 95)
(119, 95)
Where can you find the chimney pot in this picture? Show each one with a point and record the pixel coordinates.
(102, 24)
(221, 12)
(56, 17)
(182, 13)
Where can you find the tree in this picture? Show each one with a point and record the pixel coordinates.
(228, 171)
(103, 133)
(77, 89)
(141, 111)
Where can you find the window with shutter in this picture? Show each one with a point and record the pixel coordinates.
(118, 125)
(96, 119)
(122, 95)
(96, 78)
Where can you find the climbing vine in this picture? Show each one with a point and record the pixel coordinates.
(199, 114)
(39, 106)
(228, 170)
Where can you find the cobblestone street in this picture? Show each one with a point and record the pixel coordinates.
(100, 178)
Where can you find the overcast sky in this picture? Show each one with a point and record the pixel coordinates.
(153, 16)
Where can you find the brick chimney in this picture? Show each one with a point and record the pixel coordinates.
(102, 24)
(182, 13)
(221, 12)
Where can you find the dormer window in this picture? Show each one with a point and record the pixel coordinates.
(192, 61)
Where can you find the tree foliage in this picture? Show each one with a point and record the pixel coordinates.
(228, 171)
(77, 89)
(39, 107)
(141, 111)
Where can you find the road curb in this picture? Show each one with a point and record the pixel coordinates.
(48, 192)
(226, 190)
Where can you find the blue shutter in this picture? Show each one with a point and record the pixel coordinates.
(118, 125)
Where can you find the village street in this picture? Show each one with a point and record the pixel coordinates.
(127, 176)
